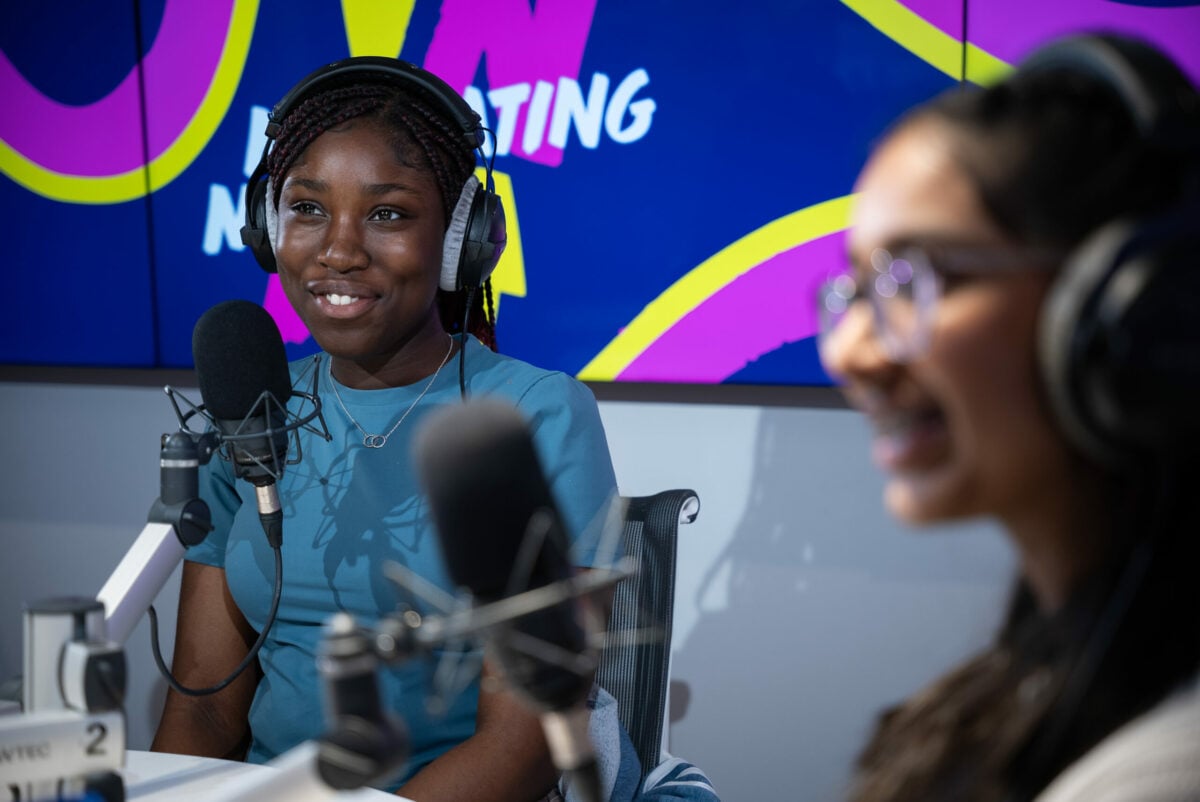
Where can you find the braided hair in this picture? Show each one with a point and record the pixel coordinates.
(424, 138)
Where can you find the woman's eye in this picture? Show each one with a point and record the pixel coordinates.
(387, 215)
(305, 207)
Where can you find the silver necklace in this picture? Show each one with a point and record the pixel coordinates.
(380, 440)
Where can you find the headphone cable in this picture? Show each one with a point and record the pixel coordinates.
(462, 350)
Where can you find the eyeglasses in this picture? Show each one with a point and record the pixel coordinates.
(903, 289)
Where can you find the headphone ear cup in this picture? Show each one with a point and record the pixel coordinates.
(1070, 345)
(1119, 341)
(256, 233)
(475, 238)
(485, 240)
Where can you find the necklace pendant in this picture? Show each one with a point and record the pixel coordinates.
(380, 440)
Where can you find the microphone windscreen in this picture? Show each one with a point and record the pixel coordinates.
(485, 483)
(492, 507)
(238, 354)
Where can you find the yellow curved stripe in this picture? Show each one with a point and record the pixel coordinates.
(170, 163)
(912, 32)
(928, 42)
(71, 188)
(983, 68)
(710, 276)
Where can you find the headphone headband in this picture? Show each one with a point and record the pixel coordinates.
(1157, 95)
(379, 69)
(1100, 59)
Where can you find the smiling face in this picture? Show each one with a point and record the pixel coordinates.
(359, 250)
(962, 428)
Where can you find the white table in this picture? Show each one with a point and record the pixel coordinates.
(158, 777)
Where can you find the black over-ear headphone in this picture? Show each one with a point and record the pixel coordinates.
(475, 237)
(1119, 339)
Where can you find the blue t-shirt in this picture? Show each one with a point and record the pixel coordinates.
(348, 509)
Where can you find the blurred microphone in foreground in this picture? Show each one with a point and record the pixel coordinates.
(502, 534)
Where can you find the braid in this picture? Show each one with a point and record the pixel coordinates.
(313, 117)
(441, 143)
(452, 306)
(424, 137)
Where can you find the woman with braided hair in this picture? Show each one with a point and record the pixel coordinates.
(368, 178)
(435, 139)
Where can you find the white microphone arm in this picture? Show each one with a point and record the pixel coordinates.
(178, 519)
(70, 736)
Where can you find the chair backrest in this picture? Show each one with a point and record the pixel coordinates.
(635, 665)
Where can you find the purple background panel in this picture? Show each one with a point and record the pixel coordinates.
(1009, 29)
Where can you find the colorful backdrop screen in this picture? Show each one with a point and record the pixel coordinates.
(677, 175)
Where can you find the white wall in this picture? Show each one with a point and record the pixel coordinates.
(801, 609)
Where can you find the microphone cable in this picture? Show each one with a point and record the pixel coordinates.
(276, 593)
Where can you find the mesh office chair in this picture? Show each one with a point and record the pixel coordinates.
(635, 670)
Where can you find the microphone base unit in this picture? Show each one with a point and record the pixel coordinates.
(61, 753)
(49, 625)
(70, 739)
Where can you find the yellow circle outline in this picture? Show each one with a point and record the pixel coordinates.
(928, 42)
(170, 163)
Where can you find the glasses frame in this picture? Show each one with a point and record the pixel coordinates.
(927, 266)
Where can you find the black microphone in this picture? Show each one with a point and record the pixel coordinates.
(501, 534)
(242, 369)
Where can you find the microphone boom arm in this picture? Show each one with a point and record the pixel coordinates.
(75, 672)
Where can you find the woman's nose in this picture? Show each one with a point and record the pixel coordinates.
(343, 249)
(853, 347)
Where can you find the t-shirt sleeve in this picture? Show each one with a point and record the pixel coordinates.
(573, 449)
(219, 492)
